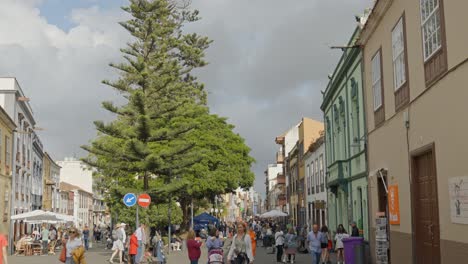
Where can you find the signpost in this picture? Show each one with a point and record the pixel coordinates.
(144, 200)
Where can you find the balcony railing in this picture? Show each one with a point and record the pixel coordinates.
(99, 208)
(279, 157)
(280, 179)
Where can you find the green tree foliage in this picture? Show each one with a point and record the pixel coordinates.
(163, 140)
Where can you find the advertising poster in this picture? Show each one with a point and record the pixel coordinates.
(393, 205)
(458, 191)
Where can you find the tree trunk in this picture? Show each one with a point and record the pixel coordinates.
(186, 217)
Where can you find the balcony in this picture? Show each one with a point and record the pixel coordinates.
(280, 179)
(279, 157)
(99, 208)
(335, 173)
(279, 140)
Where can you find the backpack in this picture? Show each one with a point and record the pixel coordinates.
(114, 235)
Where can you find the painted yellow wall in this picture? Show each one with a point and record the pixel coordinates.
(437, 114)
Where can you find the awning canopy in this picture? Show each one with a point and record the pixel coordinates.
(43, 216)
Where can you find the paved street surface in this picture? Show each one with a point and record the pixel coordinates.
(98, 255)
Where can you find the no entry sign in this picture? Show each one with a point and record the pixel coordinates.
(144, 200)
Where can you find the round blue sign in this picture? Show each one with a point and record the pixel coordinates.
(130, 199)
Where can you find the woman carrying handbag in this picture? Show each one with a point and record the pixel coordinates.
(241, 247)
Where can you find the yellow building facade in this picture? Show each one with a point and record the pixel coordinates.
(7, 126)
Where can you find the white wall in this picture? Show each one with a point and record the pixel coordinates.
(76, 172)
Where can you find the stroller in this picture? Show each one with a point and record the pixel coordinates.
(216, 256)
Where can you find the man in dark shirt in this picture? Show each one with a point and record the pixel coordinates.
(355, 230)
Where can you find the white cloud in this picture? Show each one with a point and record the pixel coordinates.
(61, 71)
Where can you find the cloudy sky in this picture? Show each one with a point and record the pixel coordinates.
(268, 63)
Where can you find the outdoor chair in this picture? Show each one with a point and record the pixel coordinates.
(20, 247)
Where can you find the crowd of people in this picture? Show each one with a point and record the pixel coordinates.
(281, 238)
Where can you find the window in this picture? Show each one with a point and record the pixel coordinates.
(312, 176)
(308, 179)
(431, 27)
(317, 176)
(398, 50)
(322, 181)
(377, 81)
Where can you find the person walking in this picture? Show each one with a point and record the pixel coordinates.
(3, 249)
(45, 240)
(340, 235)
(74, 248)
(118, 246)
(241, 247)
(291, 245)
(325, 257)
(86, 237)
(279, 243)
(213, 241)
(253, 238)
(141, 237)
(314, 239)
(193, 247)
(354, 229)
(133, 247)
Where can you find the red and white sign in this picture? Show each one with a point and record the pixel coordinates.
(144, 200)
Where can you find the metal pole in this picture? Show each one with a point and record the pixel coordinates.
(169, 229)
(13, 191)
(137, 216)
(191, 212)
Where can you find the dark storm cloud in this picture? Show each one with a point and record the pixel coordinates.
(268, 63)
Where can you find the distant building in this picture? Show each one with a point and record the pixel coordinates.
(272, 189)
(82, 204)
(76, 172)
(37, 173)
(316, 190)
(286, 141)
(51, 181)
(309, 130)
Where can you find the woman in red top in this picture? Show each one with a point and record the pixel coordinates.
(133, 249)
(193, 247)
(3, 251)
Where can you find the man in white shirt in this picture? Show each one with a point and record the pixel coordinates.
(279, 243)
(141, 237)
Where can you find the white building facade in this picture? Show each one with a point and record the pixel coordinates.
(15, 103)
(315, 184)
(76, 172)
(55, 177)
(271, 173)
(37, 173)
(287, 141)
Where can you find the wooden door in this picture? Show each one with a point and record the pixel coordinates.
(426, 209)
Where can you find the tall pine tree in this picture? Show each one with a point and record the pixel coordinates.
(164, 140)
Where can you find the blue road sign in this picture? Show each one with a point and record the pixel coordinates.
(130, 199)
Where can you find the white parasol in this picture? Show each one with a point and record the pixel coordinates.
(273, 214)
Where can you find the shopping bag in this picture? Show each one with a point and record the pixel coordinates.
(63, 254)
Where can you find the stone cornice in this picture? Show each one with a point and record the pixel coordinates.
(376, 15)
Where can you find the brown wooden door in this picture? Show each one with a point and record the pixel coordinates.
(426, 210)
